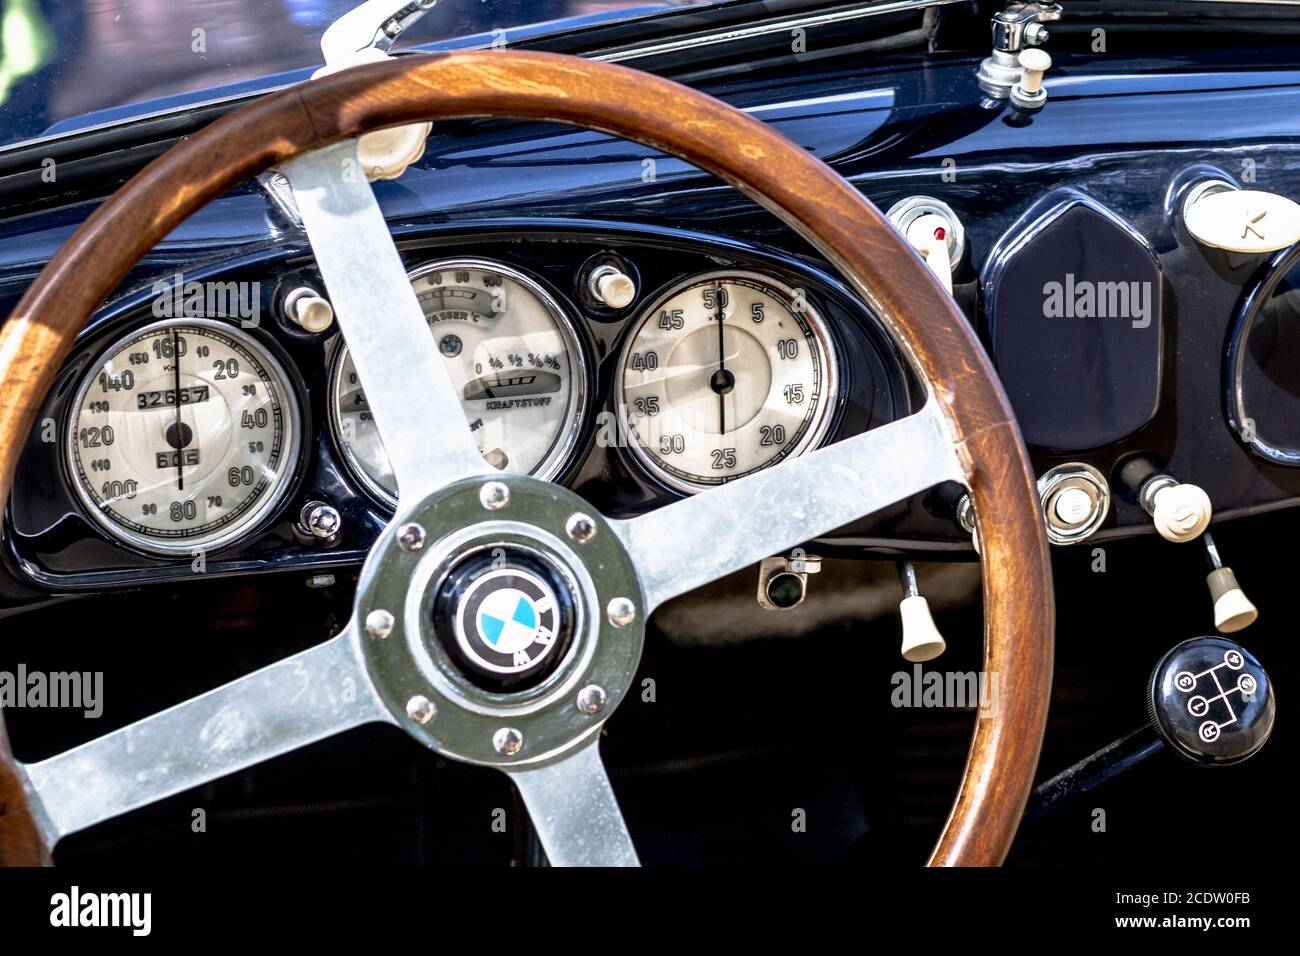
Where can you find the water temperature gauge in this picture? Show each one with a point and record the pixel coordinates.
(514, 359)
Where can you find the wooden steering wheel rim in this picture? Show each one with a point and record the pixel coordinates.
(803, 192)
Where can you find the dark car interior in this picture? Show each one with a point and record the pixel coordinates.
(1101, 195)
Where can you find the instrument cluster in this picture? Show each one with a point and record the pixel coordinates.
(206, 439)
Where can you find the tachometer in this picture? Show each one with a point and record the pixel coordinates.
(513, 357)
(725, 374)
(183, 435)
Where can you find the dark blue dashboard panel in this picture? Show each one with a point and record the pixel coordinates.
(53, 544)
(1128, 133)
(1074, 307)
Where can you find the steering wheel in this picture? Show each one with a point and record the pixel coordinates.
(605, 576)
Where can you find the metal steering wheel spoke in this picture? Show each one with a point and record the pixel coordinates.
(308, 697)
(406, 383)
(574, 810)
(739, 523)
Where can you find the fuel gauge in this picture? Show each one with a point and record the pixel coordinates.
(514, 358)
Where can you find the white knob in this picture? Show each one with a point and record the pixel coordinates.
(1028, 93)
(613, 287)
(310, 311)
(929, 235)
(1232, 609)
(1243, 220)
(1181, 512)
(383, 153)
(921, 638)
(1033, 64)
(1073, 506)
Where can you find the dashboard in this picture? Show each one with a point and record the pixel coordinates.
(200, 422)
(197, 422)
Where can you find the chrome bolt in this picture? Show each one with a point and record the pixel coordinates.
(410, 537)
(379, 623)
(322, 520)
(621, 611)
(494, 495)
(591, 699)
(508, 741)
(420, 709)
(580, 527)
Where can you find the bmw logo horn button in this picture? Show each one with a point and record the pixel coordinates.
(505, 616)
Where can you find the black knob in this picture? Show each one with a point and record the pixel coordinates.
(1211, 701)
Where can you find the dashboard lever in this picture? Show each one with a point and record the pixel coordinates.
(932, 228)
(1232, 609)
(928, 235)
(921, 638)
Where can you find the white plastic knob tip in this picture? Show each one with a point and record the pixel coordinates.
(1232, 609)
(1073, 506)
(313, 313)
(615, 289)
(921, 639)
(383, 153)
(1034, 63)
(1181, 512)
(924, 234)
(1244, 220)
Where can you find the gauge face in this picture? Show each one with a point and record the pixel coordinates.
(514, 361)
(183, 435)
(725, 374)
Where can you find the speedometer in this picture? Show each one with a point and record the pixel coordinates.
(183, 435)
(514, 360)
(725, 374)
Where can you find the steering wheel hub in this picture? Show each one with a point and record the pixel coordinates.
(505, 614)
(499, 621)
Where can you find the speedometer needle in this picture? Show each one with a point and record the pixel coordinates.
(180, 451)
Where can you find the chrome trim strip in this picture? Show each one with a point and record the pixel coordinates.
(777, 26)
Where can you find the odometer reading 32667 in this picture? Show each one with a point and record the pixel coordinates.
(182, 436)
(723, 375)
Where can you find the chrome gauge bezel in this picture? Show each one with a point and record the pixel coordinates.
(241, 527)
(561, 454)
(829, 366)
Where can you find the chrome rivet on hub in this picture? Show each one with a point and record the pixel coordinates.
(494, 495)
(379, 623)
(508, 741)
(621, 611)
(410, 537)
(580, 527)
(420, 709)
(591, 699)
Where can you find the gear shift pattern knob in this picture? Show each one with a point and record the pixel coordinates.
(1211, 701)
